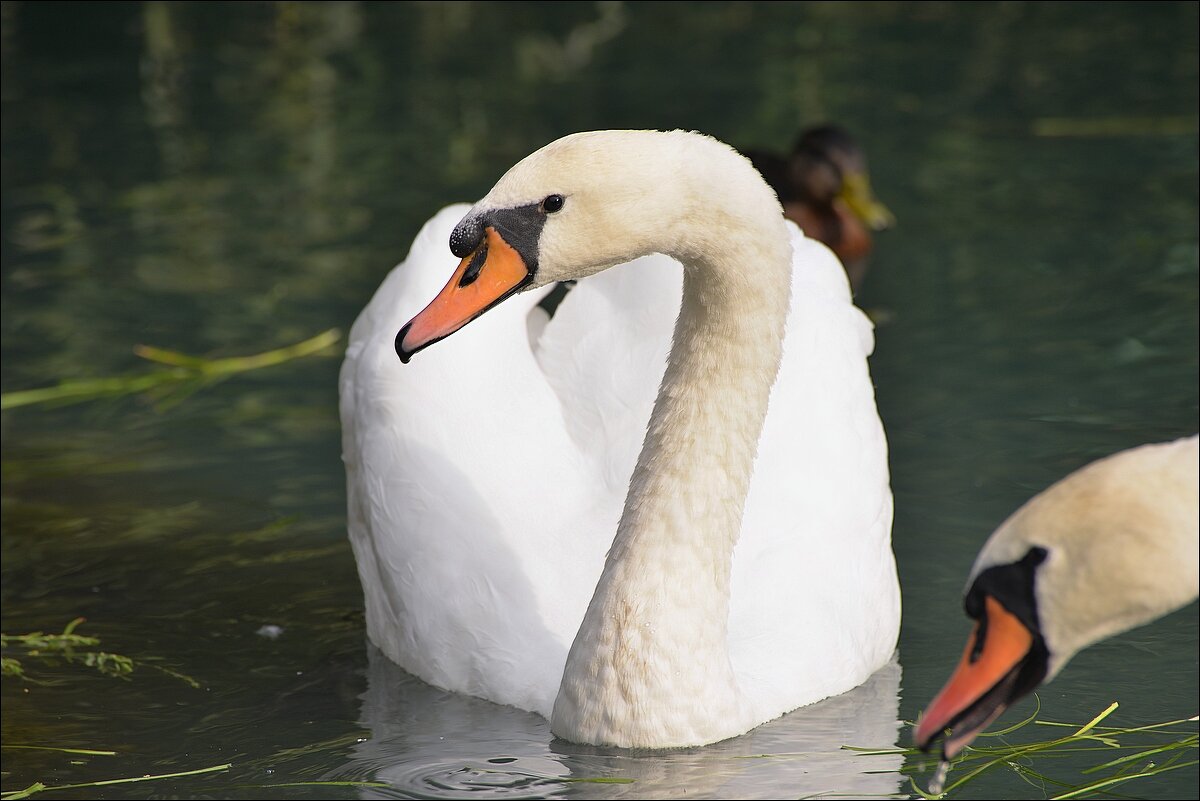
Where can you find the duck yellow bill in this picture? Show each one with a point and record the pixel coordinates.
(488, 275)
(856, 193)
(980, 688)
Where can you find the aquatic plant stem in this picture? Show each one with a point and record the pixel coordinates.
(183, 369)
(38, 787)
(84, 751)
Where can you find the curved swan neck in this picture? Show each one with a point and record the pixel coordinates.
(650, 664)
(695, 463)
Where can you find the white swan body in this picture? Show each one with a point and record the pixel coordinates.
(486, 479)
(1114, 545)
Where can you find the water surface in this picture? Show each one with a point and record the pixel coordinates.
(221, 180)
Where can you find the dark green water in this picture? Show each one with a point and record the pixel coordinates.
(225, 179)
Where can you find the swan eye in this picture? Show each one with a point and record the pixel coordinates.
(553, 203)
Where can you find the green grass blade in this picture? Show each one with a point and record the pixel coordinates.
(38, 787)
(1094, 786)
(185, 374)
(1141, 755)
(1092, 723)
(1031, 719)
(84, 751)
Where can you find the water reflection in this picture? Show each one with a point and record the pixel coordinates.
(427, 743)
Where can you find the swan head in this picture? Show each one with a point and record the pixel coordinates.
(1108, 548)
(590, 201)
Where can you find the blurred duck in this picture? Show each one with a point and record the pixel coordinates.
(1112, 546)
(824, 188)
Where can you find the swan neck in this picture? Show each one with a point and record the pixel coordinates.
(693, 473)
(656, 631)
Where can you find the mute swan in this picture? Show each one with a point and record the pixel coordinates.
(486, 479)
(1113, 545)
(825, 189)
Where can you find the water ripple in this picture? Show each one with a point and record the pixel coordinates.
(496, 777)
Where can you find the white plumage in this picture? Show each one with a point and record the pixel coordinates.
(487, 477)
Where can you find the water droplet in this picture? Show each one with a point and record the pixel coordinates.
(938, 782)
